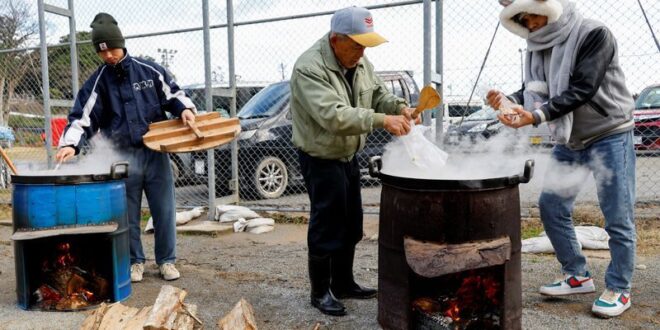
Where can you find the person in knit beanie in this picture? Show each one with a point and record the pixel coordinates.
(119, 100)
(106, 33)
(574, 82)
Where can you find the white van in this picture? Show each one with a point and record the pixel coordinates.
(458, 106)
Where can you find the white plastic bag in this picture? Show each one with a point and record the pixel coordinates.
(422, 152)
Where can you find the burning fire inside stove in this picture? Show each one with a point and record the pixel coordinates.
(466, 300)
(67, 283)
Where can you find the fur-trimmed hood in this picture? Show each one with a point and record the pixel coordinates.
(550, 8)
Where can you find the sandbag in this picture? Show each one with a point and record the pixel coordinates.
(589, 237)
(231, 213)
(182, 218)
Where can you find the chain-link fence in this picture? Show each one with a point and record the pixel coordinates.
(255, 54)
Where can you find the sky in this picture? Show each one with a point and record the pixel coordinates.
(267, 52)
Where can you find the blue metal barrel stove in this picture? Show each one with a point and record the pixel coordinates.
(71, 240)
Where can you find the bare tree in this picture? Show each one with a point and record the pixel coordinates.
(18, 28)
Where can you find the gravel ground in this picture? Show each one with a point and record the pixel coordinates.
(270, 271)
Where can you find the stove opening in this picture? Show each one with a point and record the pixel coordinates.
(69, 272)
(470, 299)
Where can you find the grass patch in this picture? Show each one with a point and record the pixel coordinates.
(288, 218)
(145, 215)
(530, 227)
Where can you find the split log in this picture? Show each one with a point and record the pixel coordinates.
(165, 309)
(432, 259)
(93, 321)
(109, 317)
(138, 320)
(241, 317)
(186, 320)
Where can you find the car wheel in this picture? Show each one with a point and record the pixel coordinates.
(270, 178)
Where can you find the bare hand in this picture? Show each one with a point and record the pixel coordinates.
(397, 125)
(520, 119)
(408, 113)
(64, 154)
(188, 116)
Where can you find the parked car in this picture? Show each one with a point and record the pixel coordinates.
(267, 160)
(483, 125)
(647, 120)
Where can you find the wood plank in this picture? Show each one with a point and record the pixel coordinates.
(56, 231)
(177, 121)
(210, 141)
(432, 259)
(206, 227)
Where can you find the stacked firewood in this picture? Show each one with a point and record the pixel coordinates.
(168, 312)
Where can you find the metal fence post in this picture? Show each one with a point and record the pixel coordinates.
(74, 51)
(232, 87)
(426, 115)
(45, 85)
(440, 113)
(209, 105)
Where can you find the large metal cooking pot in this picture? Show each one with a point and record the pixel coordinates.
(376, 164)
(43, 201)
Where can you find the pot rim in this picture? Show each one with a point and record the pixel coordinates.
(118, 171)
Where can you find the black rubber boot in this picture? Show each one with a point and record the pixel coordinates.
(343, 285)
(321, 297)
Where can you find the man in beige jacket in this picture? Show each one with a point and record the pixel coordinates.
(336, 100)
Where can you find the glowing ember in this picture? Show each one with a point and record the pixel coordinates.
(66, 286)
(474, 304)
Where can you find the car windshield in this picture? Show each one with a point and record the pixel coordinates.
(649, 98)
(487, 113)
(267, 102)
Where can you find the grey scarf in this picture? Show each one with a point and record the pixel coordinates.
(552, 49)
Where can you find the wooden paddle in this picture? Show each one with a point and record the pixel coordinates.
(428, 99)
(8, 161)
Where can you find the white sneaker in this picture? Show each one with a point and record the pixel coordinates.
(611, 304)
(169, 272)
(136, 272)
(569, 284)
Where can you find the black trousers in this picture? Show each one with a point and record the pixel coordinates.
(333, 187)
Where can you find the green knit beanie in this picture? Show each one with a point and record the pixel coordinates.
(106, 33)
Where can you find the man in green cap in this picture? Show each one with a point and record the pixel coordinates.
(120, 99)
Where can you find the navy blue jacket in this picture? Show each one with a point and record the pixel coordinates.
(121, 101)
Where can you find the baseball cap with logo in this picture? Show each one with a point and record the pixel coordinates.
(358, 24)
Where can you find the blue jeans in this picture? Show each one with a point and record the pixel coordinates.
(611, 160)
(151, 172)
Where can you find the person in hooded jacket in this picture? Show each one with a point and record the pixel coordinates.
(573, 63)
(120, 99)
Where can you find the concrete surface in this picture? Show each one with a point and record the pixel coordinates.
(270, 271)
